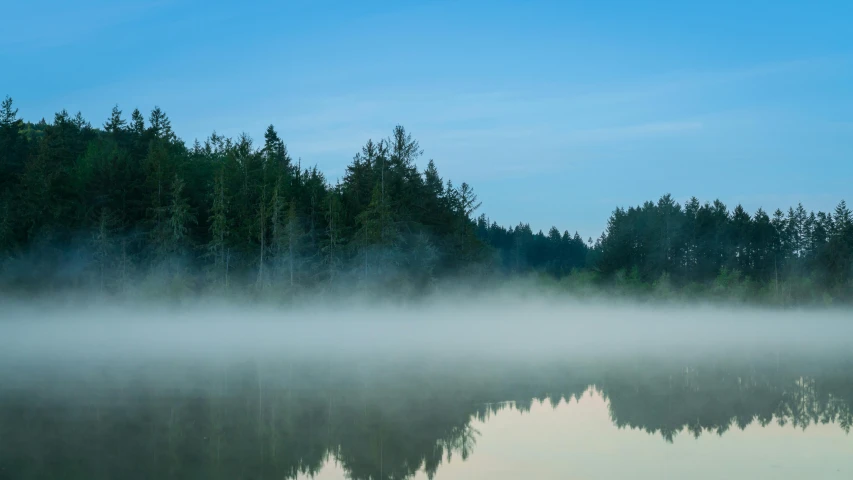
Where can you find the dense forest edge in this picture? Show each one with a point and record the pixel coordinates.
(131, 209)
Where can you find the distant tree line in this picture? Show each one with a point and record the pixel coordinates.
(129, 204)
(795, 254)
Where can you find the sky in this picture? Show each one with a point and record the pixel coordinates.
(556, 112)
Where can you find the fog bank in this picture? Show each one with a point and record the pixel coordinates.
(488, 326)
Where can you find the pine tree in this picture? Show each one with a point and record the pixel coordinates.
(333, 244)
(13, 146)
(172, 235)
(262, 217)
(7, 238)
(669, 241)
(278, 225)
(158, 170)
(137, 123)
(124, 266)
(690, 232)
(838, 254)
(843, 219)
(161, 126)
(465, 202)
(275, 154)
(741, 225)
(804, 226)
(781, 245)
(374, 222)
(8, 116)
(35, 197)
(180, 216)
(762, 240)
(115, 124)
(434, 204)
(375, 234)
(80, 122)
(293, 241)
(217, 247)
(103, 245)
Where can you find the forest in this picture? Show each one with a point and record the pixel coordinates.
(129, 207)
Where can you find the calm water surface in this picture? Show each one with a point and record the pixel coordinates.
(779, 415)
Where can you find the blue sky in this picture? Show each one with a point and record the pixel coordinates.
(556, 112)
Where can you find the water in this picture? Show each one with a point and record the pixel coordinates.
(778, 414)
(577, 439)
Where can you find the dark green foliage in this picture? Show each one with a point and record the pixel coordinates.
(240, 216)
(519, 250)
(794, 257)
(221, 212)
(14, 145)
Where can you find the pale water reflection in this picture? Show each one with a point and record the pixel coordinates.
(576, 439)
(736, 417)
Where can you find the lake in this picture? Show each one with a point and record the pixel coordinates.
(778, 414)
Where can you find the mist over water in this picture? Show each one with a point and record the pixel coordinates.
(372, 390)
(485, 326)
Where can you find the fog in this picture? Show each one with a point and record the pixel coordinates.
(217, 388)
(489, 326)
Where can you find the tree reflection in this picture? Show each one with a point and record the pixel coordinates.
(280, 420)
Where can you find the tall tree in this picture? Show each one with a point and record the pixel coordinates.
(103, 246)
(171, 237)
(115, 124)
(217, 246)
(13, 146)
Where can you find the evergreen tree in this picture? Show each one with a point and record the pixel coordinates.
(180, 217)
(465, 203)
(333, 246)
(7, 238)
(171, 237)
(376, 237)
(217, 246)
(161, 126)
(158, 171)
(115, 124)
(103, 245)
(137, 123)
(13, 146)
(289, 245)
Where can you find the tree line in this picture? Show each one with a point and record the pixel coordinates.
(129, 204)
(81, 205)
(795, 254)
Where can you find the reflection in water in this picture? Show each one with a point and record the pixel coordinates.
(303, 417)
(576, 439)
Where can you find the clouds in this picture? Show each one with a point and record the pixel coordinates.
(634, 132)
(542, 115)
(470, 119)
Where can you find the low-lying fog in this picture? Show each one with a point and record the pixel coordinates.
(499, 325)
